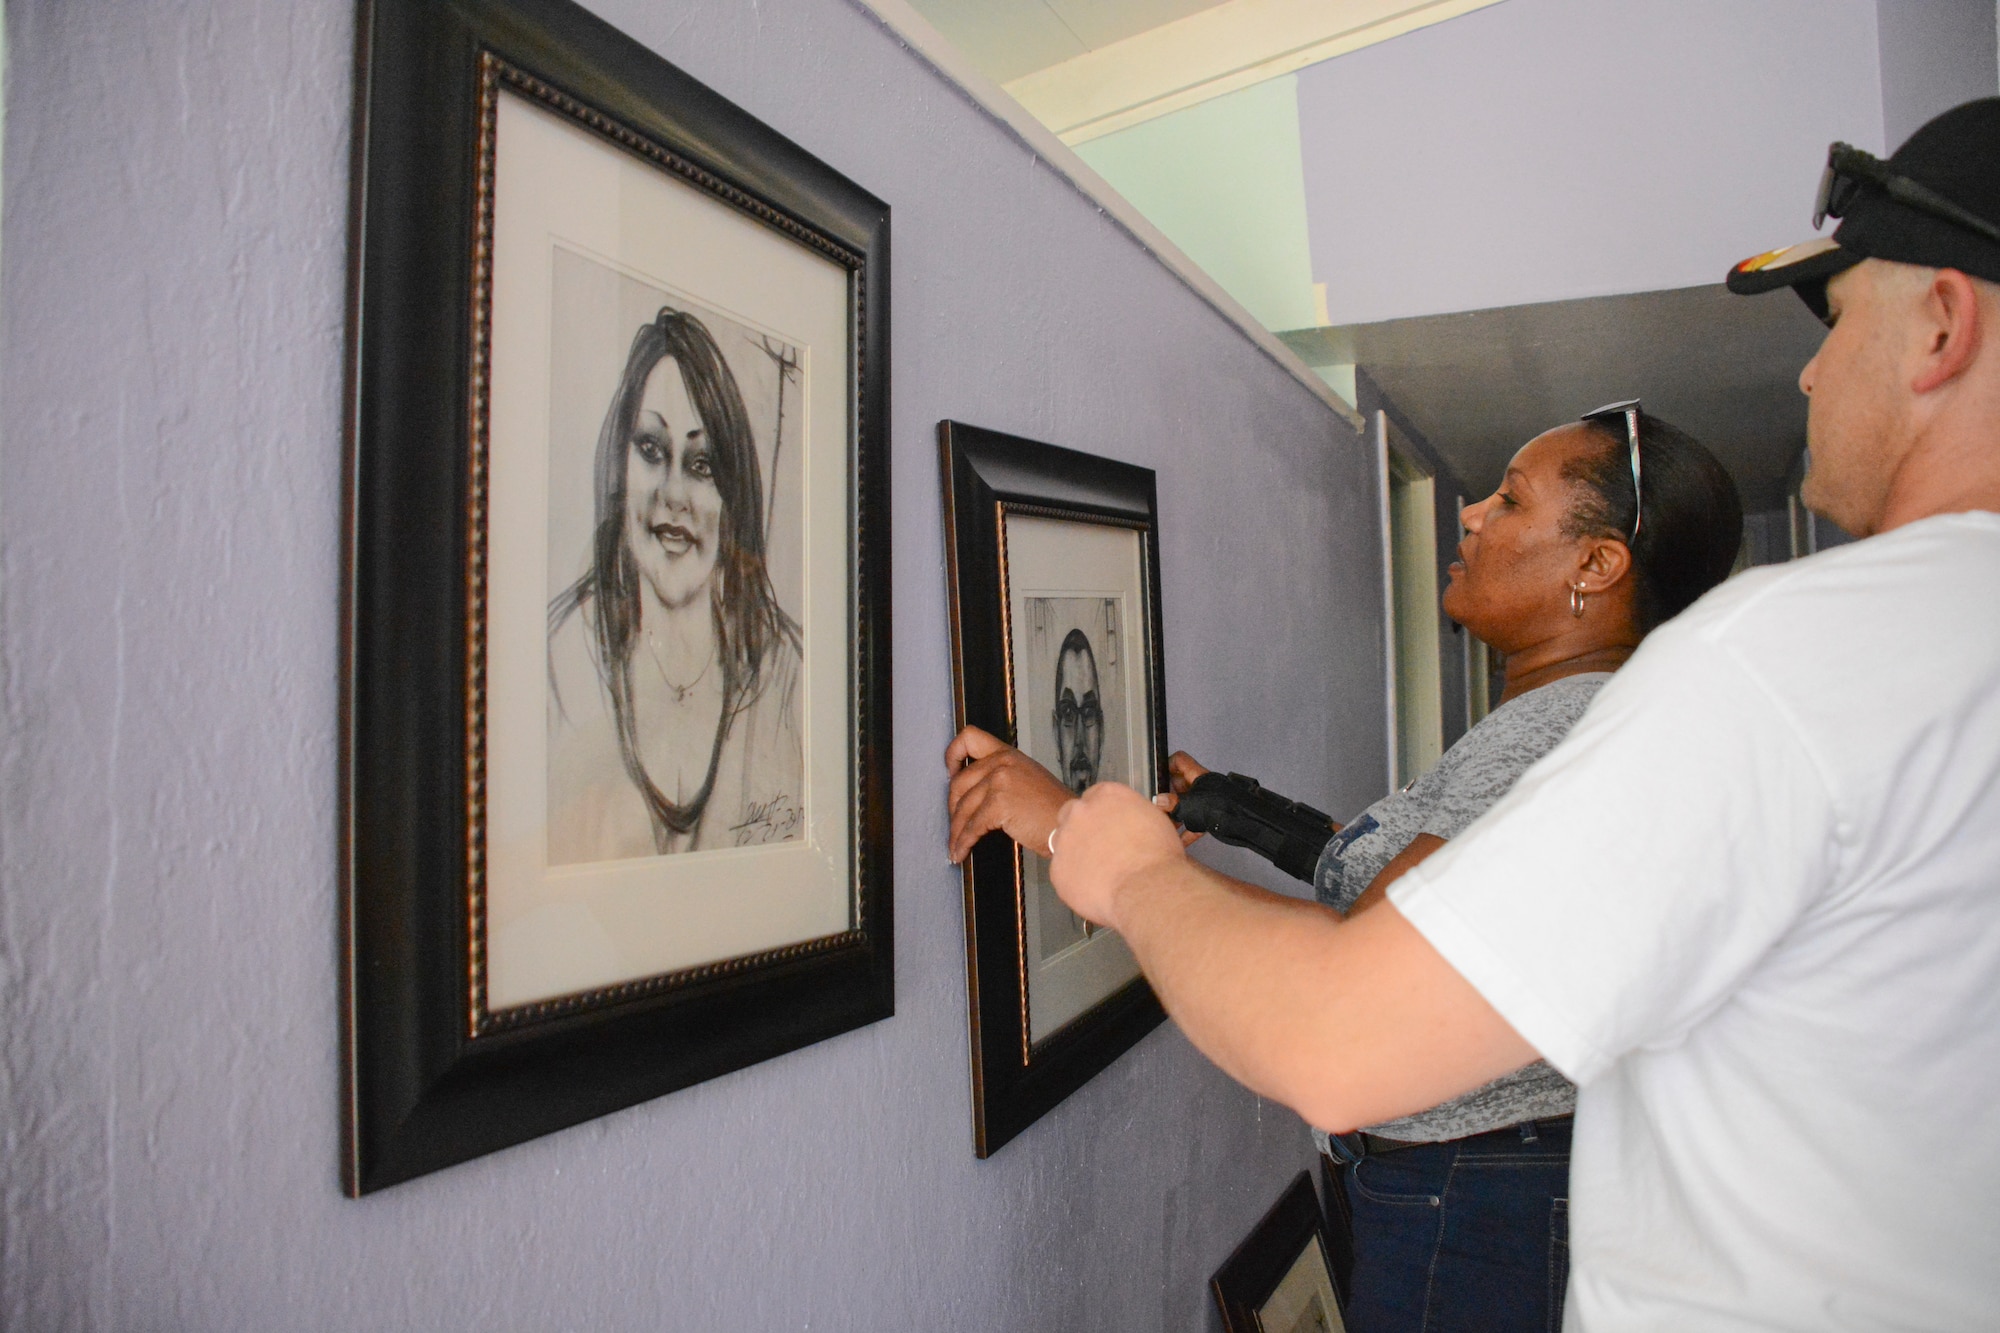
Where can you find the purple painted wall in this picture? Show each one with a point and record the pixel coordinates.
(1935, 54)
(170, 347)
(1591, 148)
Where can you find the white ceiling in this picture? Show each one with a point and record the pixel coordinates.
(1087, 68)
(1009, 38)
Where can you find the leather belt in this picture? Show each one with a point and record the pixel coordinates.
(1348, 1148)
(1376, 1143)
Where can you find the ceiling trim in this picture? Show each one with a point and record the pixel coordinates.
(1209, 53)
(915, 31)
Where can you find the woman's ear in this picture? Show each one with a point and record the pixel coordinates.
(1603, 565)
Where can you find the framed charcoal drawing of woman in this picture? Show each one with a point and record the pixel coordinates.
(616, 759)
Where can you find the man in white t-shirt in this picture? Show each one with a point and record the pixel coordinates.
(1752, 904)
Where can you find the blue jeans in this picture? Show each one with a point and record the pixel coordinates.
(1471, 1234)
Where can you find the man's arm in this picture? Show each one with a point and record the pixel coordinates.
(1349, 1023)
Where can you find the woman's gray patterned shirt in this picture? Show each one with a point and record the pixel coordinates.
(1474, 773)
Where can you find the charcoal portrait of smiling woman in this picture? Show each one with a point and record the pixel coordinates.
(674, 710)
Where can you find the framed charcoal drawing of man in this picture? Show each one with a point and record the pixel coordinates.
(1055, 614)
(1080, 695)
(1075, 726)
(616, 757)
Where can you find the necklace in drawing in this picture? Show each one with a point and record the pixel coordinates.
(680, 691)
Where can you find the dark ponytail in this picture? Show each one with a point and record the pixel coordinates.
(1693, 524)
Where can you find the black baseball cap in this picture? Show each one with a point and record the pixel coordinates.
(1935, 203)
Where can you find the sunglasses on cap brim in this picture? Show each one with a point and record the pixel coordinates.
(1849, 170)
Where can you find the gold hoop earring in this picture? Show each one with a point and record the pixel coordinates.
(1576, 600)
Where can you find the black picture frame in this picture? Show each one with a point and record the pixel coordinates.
(431, 1075)
(988, 476)
(1248, 1280)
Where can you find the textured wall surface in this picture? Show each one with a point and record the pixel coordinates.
(1591, 148)
(170, 347)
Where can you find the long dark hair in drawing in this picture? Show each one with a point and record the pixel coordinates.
(748, 620)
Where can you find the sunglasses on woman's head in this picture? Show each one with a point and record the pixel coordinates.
(1629, 409)
(1849, 170)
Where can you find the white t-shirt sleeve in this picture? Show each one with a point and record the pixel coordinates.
(1636, 874)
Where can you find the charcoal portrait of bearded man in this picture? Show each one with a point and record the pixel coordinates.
(1073, 721)
(1079, 713)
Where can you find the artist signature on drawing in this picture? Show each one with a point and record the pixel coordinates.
(774, 820)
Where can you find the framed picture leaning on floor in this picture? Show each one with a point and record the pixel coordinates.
(616, 748)
(1280, 1279)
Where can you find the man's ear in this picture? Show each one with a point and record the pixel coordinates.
(1953, 327)
(1604, 565)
